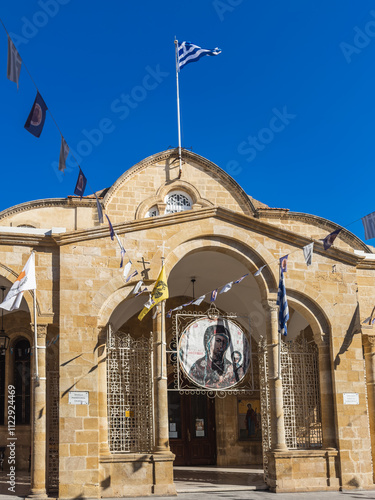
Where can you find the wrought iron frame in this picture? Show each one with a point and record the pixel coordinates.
(183, 385)
(130, 393)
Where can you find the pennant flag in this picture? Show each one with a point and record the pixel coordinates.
(123, 251)
(169, 313)
(133, 274)
(142, 291)
(14, 63)
(100, 211)
(369, 224)
(213, 295)
(226, 288)
(127, 269)
(81, 184)
(25, 281)
(188, 52)
(199, 300)
(328, 240)
(35, 121)
(260, 270)
(137, 286)
(112, 233)
(308, 253)
(149, 303)
(64, 151)
(282, 302)
(284, 263)
(159, 293)
(242, 277)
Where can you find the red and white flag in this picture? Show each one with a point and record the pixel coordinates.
(25, 281)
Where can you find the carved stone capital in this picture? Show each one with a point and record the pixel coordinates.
(369, 340)
(41, 330)
(270, 305)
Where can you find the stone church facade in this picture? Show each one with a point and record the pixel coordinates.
(304, 409)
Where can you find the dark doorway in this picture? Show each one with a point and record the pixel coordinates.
(192, 436)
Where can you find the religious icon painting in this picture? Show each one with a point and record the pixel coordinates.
(249, 419)
(214, 353)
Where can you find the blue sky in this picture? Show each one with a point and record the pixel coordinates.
(313, 63)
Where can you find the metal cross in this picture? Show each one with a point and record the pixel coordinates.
(145, 270)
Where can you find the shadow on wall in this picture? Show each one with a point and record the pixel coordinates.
(354, 328)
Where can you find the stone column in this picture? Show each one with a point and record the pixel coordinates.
(275, 382)
(326, 396)
(160, 382)
(38, 415)
(102, 391)
(369, 347)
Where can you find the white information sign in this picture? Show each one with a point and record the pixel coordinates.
(351, 398)
(78, 397)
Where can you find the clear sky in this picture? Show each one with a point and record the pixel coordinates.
(287, 109)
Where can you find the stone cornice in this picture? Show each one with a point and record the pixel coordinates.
(28, 240)
(186, 155)
(314, 220)
(245, 221)
(48, 202)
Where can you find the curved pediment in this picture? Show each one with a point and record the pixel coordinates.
(147, 185)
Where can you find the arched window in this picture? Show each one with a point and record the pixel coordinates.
(153, 212)
(22, 381)
(177, 201)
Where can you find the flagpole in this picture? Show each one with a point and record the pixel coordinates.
(178, 111)
(35, 342)
(279, 338)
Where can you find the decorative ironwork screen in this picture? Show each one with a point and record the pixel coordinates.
(129, 393)
(53, 430)
(301, 396)
(187, 369)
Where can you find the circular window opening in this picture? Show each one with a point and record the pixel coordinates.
(177, 201)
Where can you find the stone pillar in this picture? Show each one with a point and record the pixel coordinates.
(38, 415)
(326, 396)
(275, 382)
(160, 382)
(369, 348)
(102, 391)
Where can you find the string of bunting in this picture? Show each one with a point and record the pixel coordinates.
(29, 350)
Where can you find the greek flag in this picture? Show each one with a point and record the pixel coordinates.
(283, 303)
(369, 224)
(188, 52)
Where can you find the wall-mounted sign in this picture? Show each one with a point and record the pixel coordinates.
(78, 397)
(214, 353)
(351, 398)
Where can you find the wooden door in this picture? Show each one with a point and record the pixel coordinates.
(192, 436)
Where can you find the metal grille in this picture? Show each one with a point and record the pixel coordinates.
(129, 393)
(301, 396)
(53, 431)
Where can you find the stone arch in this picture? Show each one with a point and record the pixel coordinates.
(158, 199)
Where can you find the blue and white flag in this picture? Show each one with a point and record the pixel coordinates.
(240, 279)
(308, 253)
(213, 295)
(64, 152)
(14, 63)
(127, 270)
(188, 52)
(257, 273)
(100, 211)
(37, 116)
(137, 287)
(369, 224)
(81, 184)
(284, 263)
(226, 288)
(282, 302)
(199, 300)
(132, 275)
(111, 231)
(328, 240)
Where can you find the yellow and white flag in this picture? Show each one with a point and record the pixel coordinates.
(159, 293)
(25, 281)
